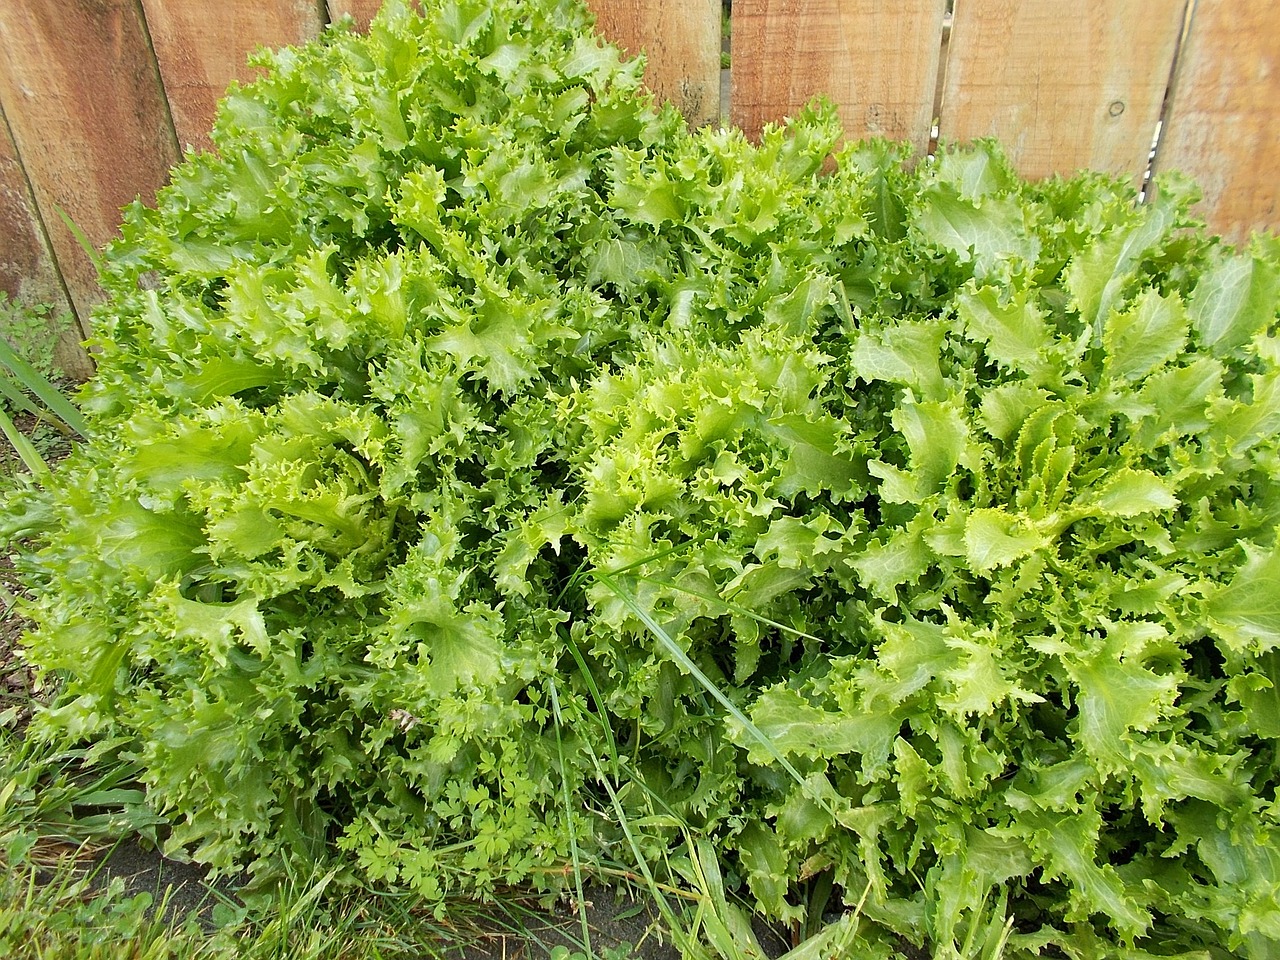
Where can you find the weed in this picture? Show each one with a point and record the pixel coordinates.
(32, 330)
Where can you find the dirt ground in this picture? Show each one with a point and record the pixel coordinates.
(613, 921)
(144, 869)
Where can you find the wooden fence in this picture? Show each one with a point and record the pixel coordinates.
(100, 97)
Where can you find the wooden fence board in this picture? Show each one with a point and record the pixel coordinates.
(1064, 84)
(27, 270)
(681, 40)
(877, 59)
(28, 274)
(80, 88)
(362, 10)
(1223, 125)
(201, 49)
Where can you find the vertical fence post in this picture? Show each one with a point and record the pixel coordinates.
(1223, 123)
(877, 59)
(79, 86)
(681, 41)
(1064, 84)
(201, 48)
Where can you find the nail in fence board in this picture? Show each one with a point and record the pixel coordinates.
(80, 89)
(681, 39)
(1223, 126)
(202, 48)
(877, 59)
(1064, 84)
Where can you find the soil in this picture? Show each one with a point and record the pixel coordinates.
(613, 920)
(144, 869)
(17, 679)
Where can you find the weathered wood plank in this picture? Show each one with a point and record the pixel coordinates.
(28, 275)
(362, 10)
(1064, 84)
(876, 59)
(27, 270)
(681, 40)
(201, 48)
(82, 94)
(1223, 124)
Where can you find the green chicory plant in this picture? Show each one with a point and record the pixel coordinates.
(484, 471)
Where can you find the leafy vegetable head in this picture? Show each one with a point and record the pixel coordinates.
(485, 470)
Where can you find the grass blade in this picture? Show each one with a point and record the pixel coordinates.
(602, 709)
(683, 941)
(686, 663)
(568, 813)
(44, 391)
(729, 605)
(17, 399)
(94, 256)
(26, 450)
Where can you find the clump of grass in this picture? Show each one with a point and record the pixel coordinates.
(28, 393)
(62, 913)
(54, 805)
(45, 917)
(32, 329)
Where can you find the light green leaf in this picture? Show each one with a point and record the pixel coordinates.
(896, 485)
(814, 462)
(1015, 332)
(1236, 298)
(1128, 493)
(767, 868)
(1170, 772)
(461, 21)
(1180, 396)
(797, 728)
(1118, 697)
(762, 582)
(978, 679)
(455, 649)
(884, 565)
(983, 232)
(1098, 276)
(1139, 339)
(910, 655)
(1245, 424)
(906, 353)
(1069, 844)
(589, 59)
(203, 452)
(1258, 693)
(994, 538)
(217, 627)
(1246, 612)
(246, 530)
(1006, 408)
(136, 540)
(937, 435)
(973, 173)
(224, 377)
